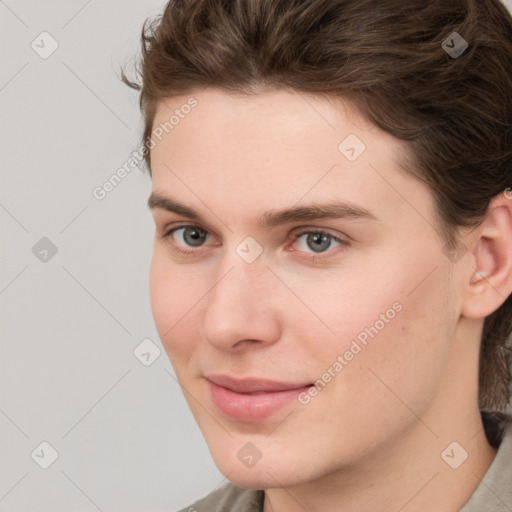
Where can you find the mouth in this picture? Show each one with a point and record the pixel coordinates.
(252, 399)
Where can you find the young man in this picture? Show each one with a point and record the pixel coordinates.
(332, 268)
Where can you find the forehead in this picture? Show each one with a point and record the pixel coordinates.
(281, 115)
(274, 148)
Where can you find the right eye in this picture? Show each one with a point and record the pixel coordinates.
(189, 236)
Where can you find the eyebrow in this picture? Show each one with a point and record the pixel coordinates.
(273, 218)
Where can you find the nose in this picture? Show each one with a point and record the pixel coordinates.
(241, 310)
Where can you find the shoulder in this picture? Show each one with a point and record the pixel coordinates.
(494, 493)
(228, 498)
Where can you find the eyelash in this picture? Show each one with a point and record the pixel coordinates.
(296, 236)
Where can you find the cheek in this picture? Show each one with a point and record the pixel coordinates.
(344, 309)
(174, 293)
(405, 361)
(393, 320)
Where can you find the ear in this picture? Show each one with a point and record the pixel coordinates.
(490, 275)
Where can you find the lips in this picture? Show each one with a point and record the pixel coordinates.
(252, 399)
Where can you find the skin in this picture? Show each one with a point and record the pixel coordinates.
(372, 438)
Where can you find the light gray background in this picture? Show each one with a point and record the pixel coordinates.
(124, 436)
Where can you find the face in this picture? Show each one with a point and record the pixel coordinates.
(297, 283)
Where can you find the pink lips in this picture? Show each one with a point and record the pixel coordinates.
(251, 399)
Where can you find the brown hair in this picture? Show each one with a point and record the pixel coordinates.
(392, 59)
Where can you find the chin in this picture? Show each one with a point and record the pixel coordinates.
(267, 473)
(261, 480)
(250, 481)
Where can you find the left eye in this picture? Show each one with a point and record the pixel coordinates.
(316, 241)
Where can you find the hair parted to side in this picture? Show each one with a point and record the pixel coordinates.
(386, 57)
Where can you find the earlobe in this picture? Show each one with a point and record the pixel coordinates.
(491, 278)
